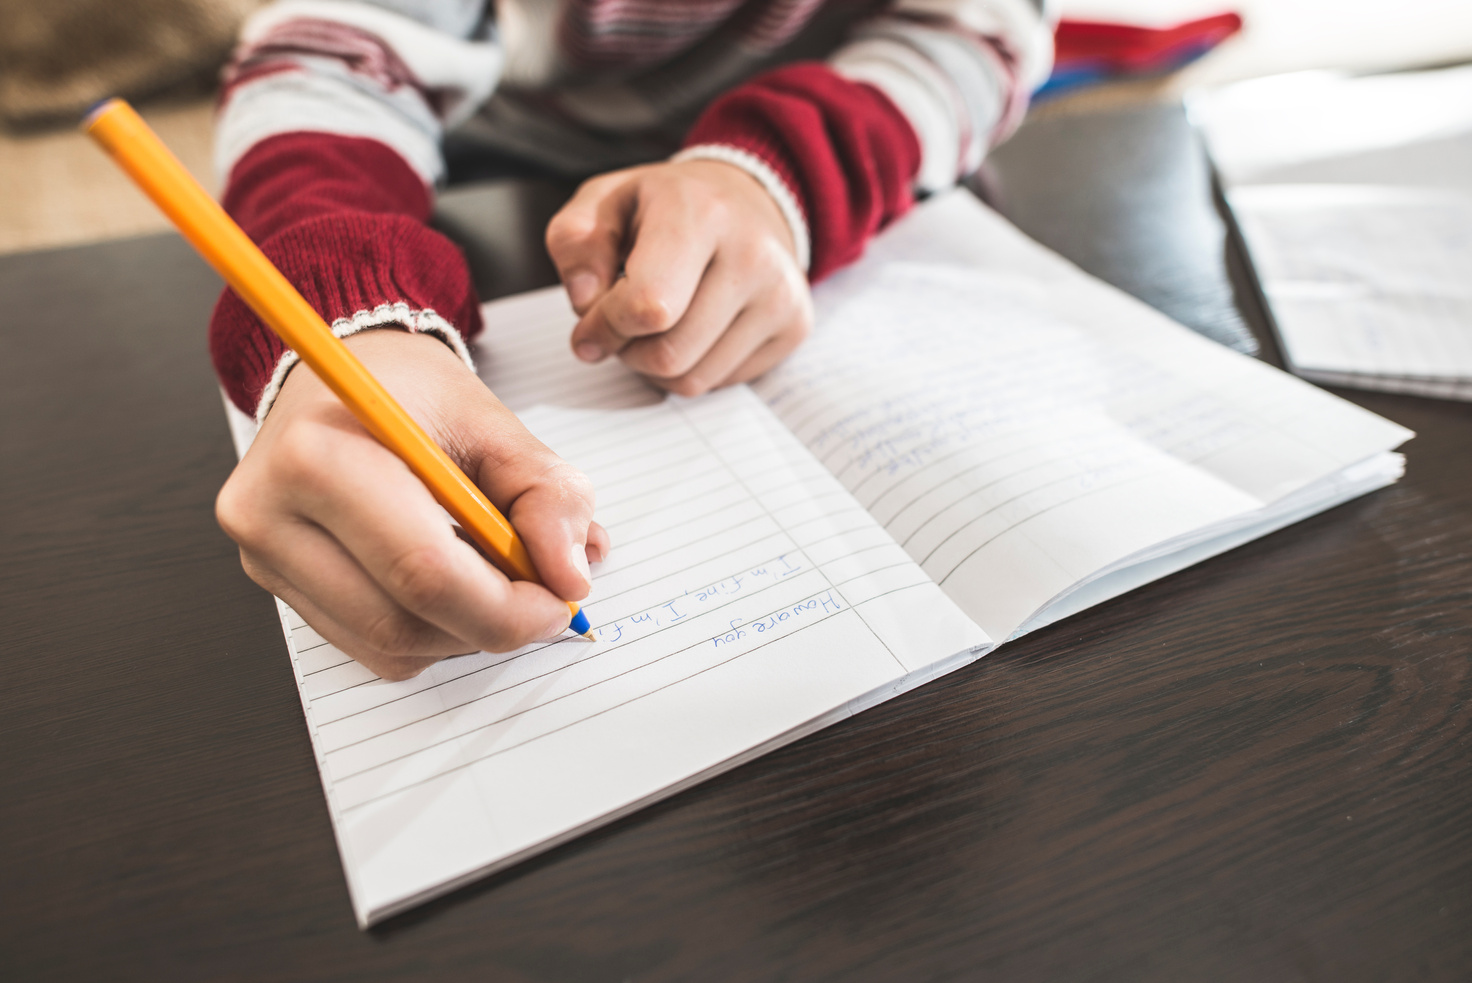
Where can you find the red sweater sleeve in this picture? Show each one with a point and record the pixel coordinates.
(846, 153)
(344, 219)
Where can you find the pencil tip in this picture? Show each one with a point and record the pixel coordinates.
(589, 636)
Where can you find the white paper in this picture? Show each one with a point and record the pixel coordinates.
(1008, 453)
(1026, 432)
(747, 601)
(1365, 280)
(1022, 429)
(1354, 197)
(1293, 128)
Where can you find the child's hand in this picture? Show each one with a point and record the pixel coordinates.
(711, 292)
(332, 522)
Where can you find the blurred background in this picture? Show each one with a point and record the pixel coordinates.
(57, 57)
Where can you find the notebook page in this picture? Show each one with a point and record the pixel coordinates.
(524, 356)
(1369, 280)
(1299, 432)
(978, 432)
(1022, 429)
(747, 601)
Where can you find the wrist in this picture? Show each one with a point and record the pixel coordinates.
(397, 318)
(777, 191)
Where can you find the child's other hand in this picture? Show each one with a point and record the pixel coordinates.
(329, 520)
(711, 292)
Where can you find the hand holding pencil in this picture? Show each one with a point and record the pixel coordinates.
(334, 524)
(344, 526)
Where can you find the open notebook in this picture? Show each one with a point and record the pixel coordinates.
(977, 440)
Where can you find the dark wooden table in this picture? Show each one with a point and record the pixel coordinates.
(1258, 769)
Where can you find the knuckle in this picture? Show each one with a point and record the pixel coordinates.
(647, 311)
(504, 630)
(394, 635)
(716, 210)
(418, 577)
(574, 483)
(234, 512)
(689, 384)
(502, 638)
(748, 253)
(297, 459)
(801, 324)
(569, 486)
(663, 357)
(569, 229)
(600, 184)
(398, 670)
(256, 570)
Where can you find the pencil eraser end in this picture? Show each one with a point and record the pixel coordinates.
(97, 109)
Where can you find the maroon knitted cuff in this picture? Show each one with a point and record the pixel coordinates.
(343, 219)
(344, 265)
(848, 155)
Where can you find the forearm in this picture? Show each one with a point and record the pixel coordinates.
(911, 104)
(329, 142)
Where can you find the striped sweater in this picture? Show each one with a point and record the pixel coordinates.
(334, 115)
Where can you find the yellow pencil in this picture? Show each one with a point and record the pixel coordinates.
(139, 152)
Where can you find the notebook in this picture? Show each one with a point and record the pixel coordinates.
(1354, 198)
(977, 440)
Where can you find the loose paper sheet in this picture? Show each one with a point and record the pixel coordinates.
(1354, 197)
(1325, 126)
(1366, 280)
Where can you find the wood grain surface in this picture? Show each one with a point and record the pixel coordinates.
(1259, 769)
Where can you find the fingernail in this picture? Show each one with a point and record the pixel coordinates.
(595, 553)
(579, 558)
(582, 288)
(588, 351)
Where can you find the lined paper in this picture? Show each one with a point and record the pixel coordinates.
(1024, 431)
(992, 441)
(747, 600)
(956, 455)
(524, 357)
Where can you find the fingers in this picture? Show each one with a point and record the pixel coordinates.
(675, 236)
(349, 609)
(599, 543)
(586, 237)
(330, 520)
(711, 292)
(387, 521)
(547, 500)
(722, 294)
(760, 337)
(793, 313)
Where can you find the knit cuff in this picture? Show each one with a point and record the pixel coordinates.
(398, 315)
(358, 271)
(844, 152)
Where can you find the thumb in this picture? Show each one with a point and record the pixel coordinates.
(553, 517)
(586, 237)
(548, 501)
